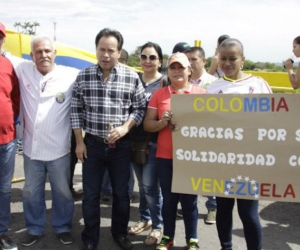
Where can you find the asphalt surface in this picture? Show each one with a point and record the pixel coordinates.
(280, 222)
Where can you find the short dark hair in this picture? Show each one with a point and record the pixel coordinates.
(110, 32)
(157, 49)
(199, 49)
(297, 40)
(222, 38)
(232, 42)
(124, 56)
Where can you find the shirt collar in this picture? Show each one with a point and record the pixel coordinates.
(173, 91)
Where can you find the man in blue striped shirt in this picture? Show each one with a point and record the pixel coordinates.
(106, 93)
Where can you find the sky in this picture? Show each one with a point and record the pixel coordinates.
(266, 28)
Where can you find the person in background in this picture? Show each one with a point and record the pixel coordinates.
(106, 185)
(180, 47)
(73, 161)
(46, 91)
(10, 107)
(231, 61)
(201, 78)
(124, 57)
(294, 77)
(151, 59)
(104, 94)
(214, 68)
(159, 119)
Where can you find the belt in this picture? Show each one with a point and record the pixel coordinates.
(101, 139)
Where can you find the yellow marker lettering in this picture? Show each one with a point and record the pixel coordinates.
(239, 102)
(206, 185)
(196, 103)
(209, 106)
(219, 186)
(195, 186)
(222, 109)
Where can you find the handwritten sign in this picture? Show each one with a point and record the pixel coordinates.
(238, 146)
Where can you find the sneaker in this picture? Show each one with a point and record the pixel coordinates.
(88, 247)
(76, 194)
(165, 243)
(179, 213)
(105, 197)
(7, 244)
(193, 245)
(30, 239)
(131, 198)
(211, 216)
(140, 226)
(65, 238)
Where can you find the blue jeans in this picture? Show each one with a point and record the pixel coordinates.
(34, 195)
(149, 189)
(170, 201)
(106, 185)
(117, 162)
(211, 203)
(7, 166)
(248, 212)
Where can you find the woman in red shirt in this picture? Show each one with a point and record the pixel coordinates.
(159, 119)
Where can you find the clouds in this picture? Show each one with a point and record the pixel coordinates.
(265, 27)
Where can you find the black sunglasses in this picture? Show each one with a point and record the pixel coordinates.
(151, 57)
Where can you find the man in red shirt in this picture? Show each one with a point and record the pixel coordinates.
(10, 104)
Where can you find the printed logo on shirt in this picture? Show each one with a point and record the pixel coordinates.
(220, 92)
(60, 97)
(251, 90)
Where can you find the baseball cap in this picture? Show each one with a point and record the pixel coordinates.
(2, 29)
(181, 47)
(180, 58)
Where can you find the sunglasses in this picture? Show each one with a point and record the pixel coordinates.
(145, 57)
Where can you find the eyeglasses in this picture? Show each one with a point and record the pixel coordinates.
(151, 57)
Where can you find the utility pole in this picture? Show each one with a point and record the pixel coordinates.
(54, 31)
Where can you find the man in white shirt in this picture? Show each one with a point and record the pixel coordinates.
(200, 77)
(46, 92)
(196, 56)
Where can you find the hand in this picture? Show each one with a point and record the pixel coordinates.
(288, 64)
(173, 127)
(81, 152)
(166, 117)
(116, 134)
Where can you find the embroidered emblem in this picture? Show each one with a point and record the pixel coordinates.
(60, 97)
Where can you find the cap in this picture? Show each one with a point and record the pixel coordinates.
(181, 47)
(2, 29)
(180, 58)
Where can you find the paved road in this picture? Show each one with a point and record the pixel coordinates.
(280, 221)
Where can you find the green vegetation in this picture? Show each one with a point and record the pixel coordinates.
(27, 27)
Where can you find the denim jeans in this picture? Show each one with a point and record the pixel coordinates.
(7, 166)
(34, 195)
(117, 162)
(106, 185)
(170, 201)
(248, 212)
(211, 203)
(149, 189)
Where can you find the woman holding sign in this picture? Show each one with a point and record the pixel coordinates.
(294, 77)
(159, 119)
(231, 60)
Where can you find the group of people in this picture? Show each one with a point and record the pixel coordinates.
(113, 105)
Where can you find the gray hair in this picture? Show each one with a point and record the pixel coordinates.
(229, 42)
(38, 38)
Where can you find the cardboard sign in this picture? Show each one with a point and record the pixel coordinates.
(238, 146)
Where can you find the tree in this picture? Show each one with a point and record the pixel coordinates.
(27, 27)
